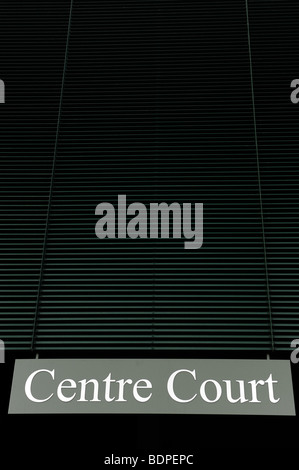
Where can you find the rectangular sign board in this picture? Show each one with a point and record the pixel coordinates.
(185, 386)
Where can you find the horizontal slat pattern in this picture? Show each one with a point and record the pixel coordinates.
(157, 106)
(31, 58)
(275, 35)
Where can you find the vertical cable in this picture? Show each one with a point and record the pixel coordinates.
(259, 182)
(43, 257)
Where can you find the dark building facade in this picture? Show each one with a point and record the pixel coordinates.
(185, 102)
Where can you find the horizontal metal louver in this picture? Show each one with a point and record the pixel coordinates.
(143, 115)
(154, 100)
(31, 61)
(274, 31)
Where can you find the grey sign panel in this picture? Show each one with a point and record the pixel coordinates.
(2, 91)
(2, 351)
(191, 386)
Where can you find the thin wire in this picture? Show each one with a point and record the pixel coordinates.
(43, 257)
(259, 182)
